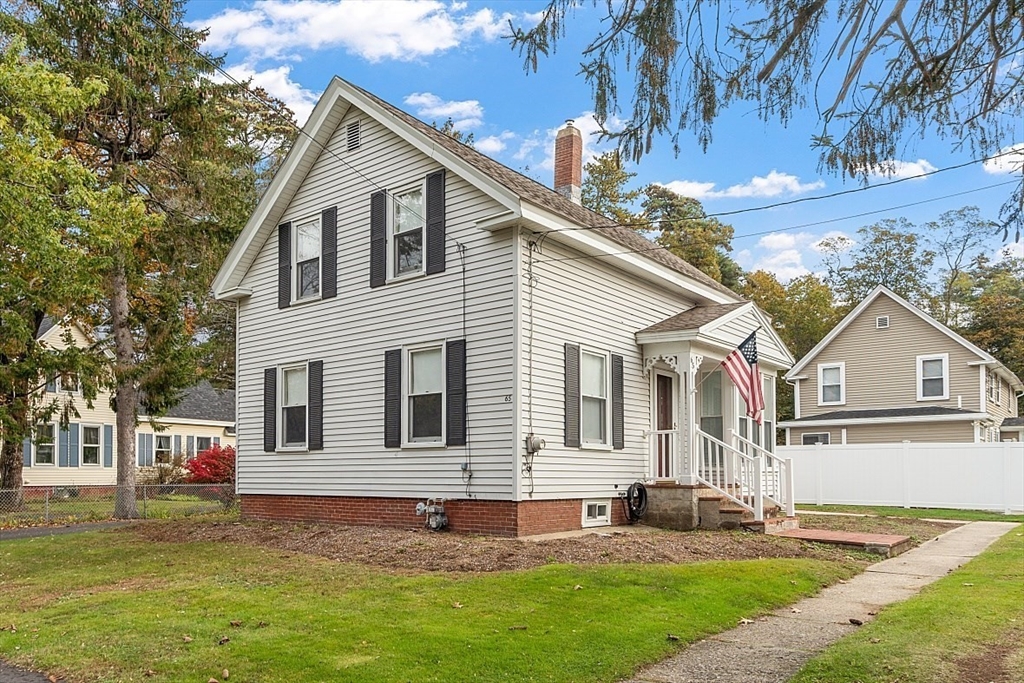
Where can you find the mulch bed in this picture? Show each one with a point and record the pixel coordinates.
(422, 550)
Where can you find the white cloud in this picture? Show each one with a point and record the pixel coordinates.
(544, 140)
(786, 264)
(377, 30)
(778, 241)
(894, 168)
(493, 144)
(774, 184)
(1009, 160)
(464, 113)
(278, 82)
(783, 253)
(1012, 250)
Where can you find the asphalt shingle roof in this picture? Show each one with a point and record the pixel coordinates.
(693, 318)
(1013, 422)
(919, 411)
(534, 192)
(204, 402)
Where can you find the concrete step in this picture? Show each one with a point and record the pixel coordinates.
(772, 525)
(888, 545)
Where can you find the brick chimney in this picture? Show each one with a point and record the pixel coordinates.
(569, 162)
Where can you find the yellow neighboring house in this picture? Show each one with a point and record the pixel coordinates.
(85, 453)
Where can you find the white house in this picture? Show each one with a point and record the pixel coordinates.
(417, 321)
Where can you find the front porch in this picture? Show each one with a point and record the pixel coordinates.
(710, 463)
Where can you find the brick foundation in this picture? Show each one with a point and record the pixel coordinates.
(492, 517)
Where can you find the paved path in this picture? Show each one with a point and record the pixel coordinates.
(773, 649)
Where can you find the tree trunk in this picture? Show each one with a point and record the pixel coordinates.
(125, 396)
(11, 494)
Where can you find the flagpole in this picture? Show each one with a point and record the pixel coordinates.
(720, 363)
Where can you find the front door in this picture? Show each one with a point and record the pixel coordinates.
(664, 425)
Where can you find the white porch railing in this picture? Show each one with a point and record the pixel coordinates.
(777, 479)
(734, 474)
(663, 453)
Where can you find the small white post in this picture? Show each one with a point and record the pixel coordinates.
(818, 466)
(790, 489)
(905, 461)
(758, 491)
(1007, 481)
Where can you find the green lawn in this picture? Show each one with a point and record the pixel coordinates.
(970, 621)
(916, 513)
(91, 509)
(111, 607)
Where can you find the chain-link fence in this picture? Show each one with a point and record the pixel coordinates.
(75, 503)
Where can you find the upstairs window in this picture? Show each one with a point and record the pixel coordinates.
(933, 377)
(407, 226)
(832, 384)
(307, 259)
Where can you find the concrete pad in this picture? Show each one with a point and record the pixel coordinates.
(922, 565)
(821, 612)
(806, 636)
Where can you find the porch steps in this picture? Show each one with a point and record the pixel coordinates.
(887, 545)
(717, 512)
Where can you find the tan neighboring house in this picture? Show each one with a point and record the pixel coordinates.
(888, 372)
(84, 452)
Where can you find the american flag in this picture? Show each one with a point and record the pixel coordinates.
(741, 365)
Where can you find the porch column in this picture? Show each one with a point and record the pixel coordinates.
(687, 433)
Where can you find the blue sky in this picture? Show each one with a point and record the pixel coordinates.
(438, 59)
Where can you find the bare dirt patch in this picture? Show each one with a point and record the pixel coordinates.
(918, 529)
(993, 664)
(433, 551)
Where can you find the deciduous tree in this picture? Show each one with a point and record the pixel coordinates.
(878, 73)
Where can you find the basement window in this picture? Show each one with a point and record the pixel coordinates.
(597, 513)
(811, 439)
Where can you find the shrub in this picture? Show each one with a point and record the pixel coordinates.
(215, 465)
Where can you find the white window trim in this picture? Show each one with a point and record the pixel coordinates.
(842, 383)
(606, 445)
(604, 520)
(156, 458)
(195, 440)
(944, 357)
(827, 441)
(392, 196)
(407, 352)
(99, 459)
(296, 299)
(280, 410)
(35, 446)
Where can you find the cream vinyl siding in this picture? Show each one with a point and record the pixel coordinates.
(1007, 405)
(99, 414)
(351, 332)
(184, 431)
(881, 365)
(587, 302)
(925, 432)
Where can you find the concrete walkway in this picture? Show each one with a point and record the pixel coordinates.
(773, 649)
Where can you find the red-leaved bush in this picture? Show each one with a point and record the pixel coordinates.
(215, 465)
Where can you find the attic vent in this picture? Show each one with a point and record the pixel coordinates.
(882, 322)
(352, 136)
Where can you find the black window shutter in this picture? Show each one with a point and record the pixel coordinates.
(456, 392)
(435, 222)
(284, 265)
(315, 382)
(393, 398)
(572, 395)
(378, 238)
(270, 410)
(618, 407)
(329, 252)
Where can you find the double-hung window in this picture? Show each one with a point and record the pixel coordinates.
(44, 443)
(594, 392)
(91, 445)
(933, 377)
(832, 384)
(162, 451)
(307, 259)
(425, 392)
(294, 404)
(408, 221)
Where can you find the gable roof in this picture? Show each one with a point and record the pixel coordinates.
(873, 413)
(501, 182)
(883, 290)
(692, 319)
(45, 326)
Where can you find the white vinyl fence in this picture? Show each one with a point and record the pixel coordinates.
(965, 476)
